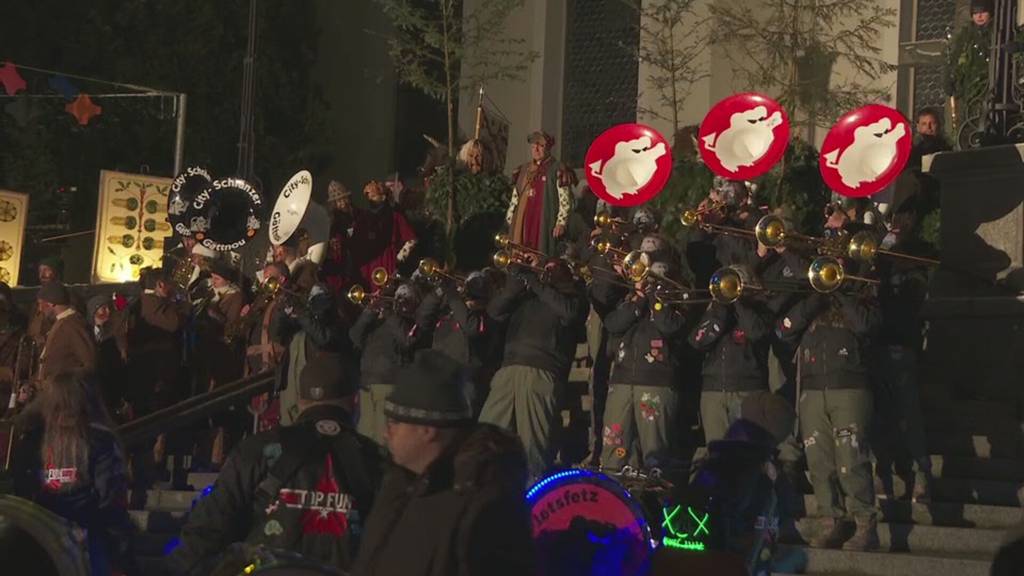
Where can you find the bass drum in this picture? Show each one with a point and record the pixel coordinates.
(584, 522)
(40, 542)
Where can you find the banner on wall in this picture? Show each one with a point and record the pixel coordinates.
(13, 216)
(131, 225)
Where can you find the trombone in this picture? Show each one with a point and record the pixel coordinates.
(505, 243)
(431, 269)
(606, 221)
(863, 246)
(826, 275)
(360, 297)
(697, 218)
(503, 259)
(772, 232)
(603, 246)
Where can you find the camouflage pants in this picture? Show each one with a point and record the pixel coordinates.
(639, 427)
(834, 425)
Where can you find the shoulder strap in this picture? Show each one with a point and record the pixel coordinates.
(299, 444)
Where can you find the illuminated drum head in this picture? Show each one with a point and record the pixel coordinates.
(583, 519)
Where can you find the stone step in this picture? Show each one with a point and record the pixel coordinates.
(974, 446)
(838, 562)
(924, 538)
(200, 480)
(969, 490)
(939, 513)
(1001, 469)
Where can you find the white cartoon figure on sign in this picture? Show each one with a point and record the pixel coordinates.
(630, 168)
(748, 138)
(872, 152)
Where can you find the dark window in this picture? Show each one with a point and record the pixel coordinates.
(934, 17)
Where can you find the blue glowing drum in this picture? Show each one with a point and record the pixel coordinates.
(585, 522)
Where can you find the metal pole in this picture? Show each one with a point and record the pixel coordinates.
(179, 137)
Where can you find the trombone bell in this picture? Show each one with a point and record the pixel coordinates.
(862, 246)
(688, 218)
(428, 266)
(726, 285)
(826, 274)
(356, 295)
(770, 231)
(379, 277)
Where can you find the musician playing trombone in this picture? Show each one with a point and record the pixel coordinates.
(543, 309)
(831, 332)
(643, 396)
(734, 339)
(394, 324)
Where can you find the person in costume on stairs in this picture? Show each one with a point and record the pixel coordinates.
(541, 200)
(39, 324)
(69, 347)
(453, 501)
(306, 488)
(381, 235)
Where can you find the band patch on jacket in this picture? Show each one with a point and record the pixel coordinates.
(57, 478)
(739, 337)
(325, 508)
(613, 435)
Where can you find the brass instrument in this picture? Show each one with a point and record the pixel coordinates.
(863, 246)
(380, 277)
(604, 247)
(826, 274)
(431, 269)
(360, 297)
(26, 345)
(606, 221)
(505, 243)
(690, 218)
(697, 219)
(503, 259)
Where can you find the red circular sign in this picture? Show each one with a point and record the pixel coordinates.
(865, 150)
(628, 164)
(743, 136)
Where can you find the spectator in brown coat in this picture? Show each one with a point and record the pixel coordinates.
(69, 348)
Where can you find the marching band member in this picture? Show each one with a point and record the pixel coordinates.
(388, 341)
(110, 332)
(734, 338)
(642, 407)
(303, 273)
(831, 332)
(543, 315)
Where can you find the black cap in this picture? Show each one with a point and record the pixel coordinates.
(54, 293)
(430, 392)
(225, 270)
(982, 6)
(326, 378)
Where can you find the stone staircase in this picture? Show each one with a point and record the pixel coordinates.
(978, 464)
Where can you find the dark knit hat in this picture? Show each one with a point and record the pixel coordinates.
(982, 6)
(54, 293)
(225, 270)
(770, 412)
(430, 392)
(54, 263)
(326, 378)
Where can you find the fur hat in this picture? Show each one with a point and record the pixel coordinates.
(430, 392)
(225, 270)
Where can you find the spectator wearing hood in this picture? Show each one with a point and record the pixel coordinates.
(453, 501)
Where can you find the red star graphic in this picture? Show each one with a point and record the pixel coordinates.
(325, 521)
(83, 109)
(12, 81)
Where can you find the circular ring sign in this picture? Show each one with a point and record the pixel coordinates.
(184, 188)
(226, 215)
(865, 150)
(743, 136)
(628, 164)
